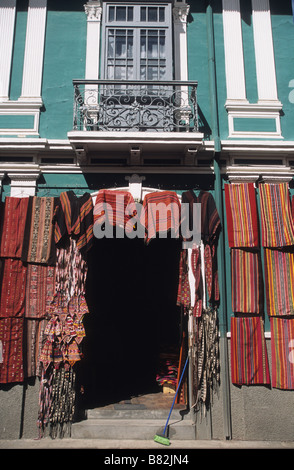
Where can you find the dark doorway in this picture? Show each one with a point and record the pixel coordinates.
(131, 294)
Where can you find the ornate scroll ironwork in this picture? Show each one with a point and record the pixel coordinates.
(105, 105)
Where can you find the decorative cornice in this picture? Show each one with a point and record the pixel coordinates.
(93, 11)
(180, 12)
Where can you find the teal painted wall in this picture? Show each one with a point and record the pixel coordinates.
(18, 50)
(64, 60)
(283, 39)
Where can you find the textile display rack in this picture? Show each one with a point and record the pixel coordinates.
(42, 305)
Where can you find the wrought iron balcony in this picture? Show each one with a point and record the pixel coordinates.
(123, 105)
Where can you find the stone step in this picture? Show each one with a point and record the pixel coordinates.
(135, 413)
(138, 429)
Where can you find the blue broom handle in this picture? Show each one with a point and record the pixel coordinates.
(179, 384)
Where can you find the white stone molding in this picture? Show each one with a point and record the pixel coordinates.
(7, 25)
(234, 59)
(34, 51)
(23, 183)
(264, 52)
(93, 11)
(180, 14)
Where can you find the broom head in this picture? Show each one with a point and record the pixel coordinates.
(161, 440)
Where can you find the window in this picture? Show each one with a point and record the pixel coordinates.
(137, 42)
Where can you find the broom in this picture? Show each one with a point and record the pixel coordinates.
(162, 438)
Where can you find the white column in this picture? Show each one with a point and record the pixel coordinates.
(234, 60)
(94, 12)
(34, 51)
(264, 51)
(7, 24)
(180, 13)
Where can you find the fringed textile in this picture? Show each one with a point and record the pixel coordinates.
(249, 361)
(205, 352)
(279, 281)
(56, 401)
(38, 243)
(13, 219)
(73, 217)
(115, 207)
(276, 218)
(13, 288)
(282, 347)
(161, 214)
(246, 281)
(241, 213)
(11, 337)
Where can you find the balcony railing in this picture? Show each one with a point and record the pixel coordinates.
(119, 105)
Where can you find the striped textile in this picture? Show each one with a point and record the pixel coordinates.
(279, 281)
(184, 294)
(13, 220)
(276, 217)
(38, 243)
(13, 288)
(161, 213)
(282, 347)
(114, 207)
(73, 217)
(246, 281)
(242, 218)
(11, 337)
(249, 361)
(40, 289)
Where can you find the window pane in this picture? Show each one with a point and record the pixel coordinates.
(111, 14)
(143, 14)
(121, 13)
(152, 14)
(130, 13)
(121, 49)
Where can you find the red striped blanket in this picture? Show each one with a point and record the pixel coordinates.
(13, 219)
(242, 218)
(161, 213)
(246, 281)
(276, 217)
(249, 360)
(282, 347)
(114, 207)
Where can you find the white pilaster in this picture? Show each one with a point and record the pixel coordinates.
(23, 183)
(234, 60)
(264, 51)
(94, 12)
(34, 51)
(180, 14)
(7, 24)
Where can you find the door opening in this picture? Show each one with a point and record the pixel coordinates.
(133, 319)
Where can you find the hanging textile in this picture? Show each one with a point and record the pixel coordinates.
(73, 217)
(161, 214)
(116, 208)
(38, 243)
(184, 295)
(279, 279)
(242, 218)
(196, 269)
(282, 347)
(276, 218)
(11, 338)
(40, 288)
(13, 219)
(249, 361)
(33, 342)
(205, 353)
(13, 288)
(210, 229)
(246, 281)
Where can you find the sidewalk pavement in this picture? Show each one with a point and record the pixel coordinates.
(48, 443)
